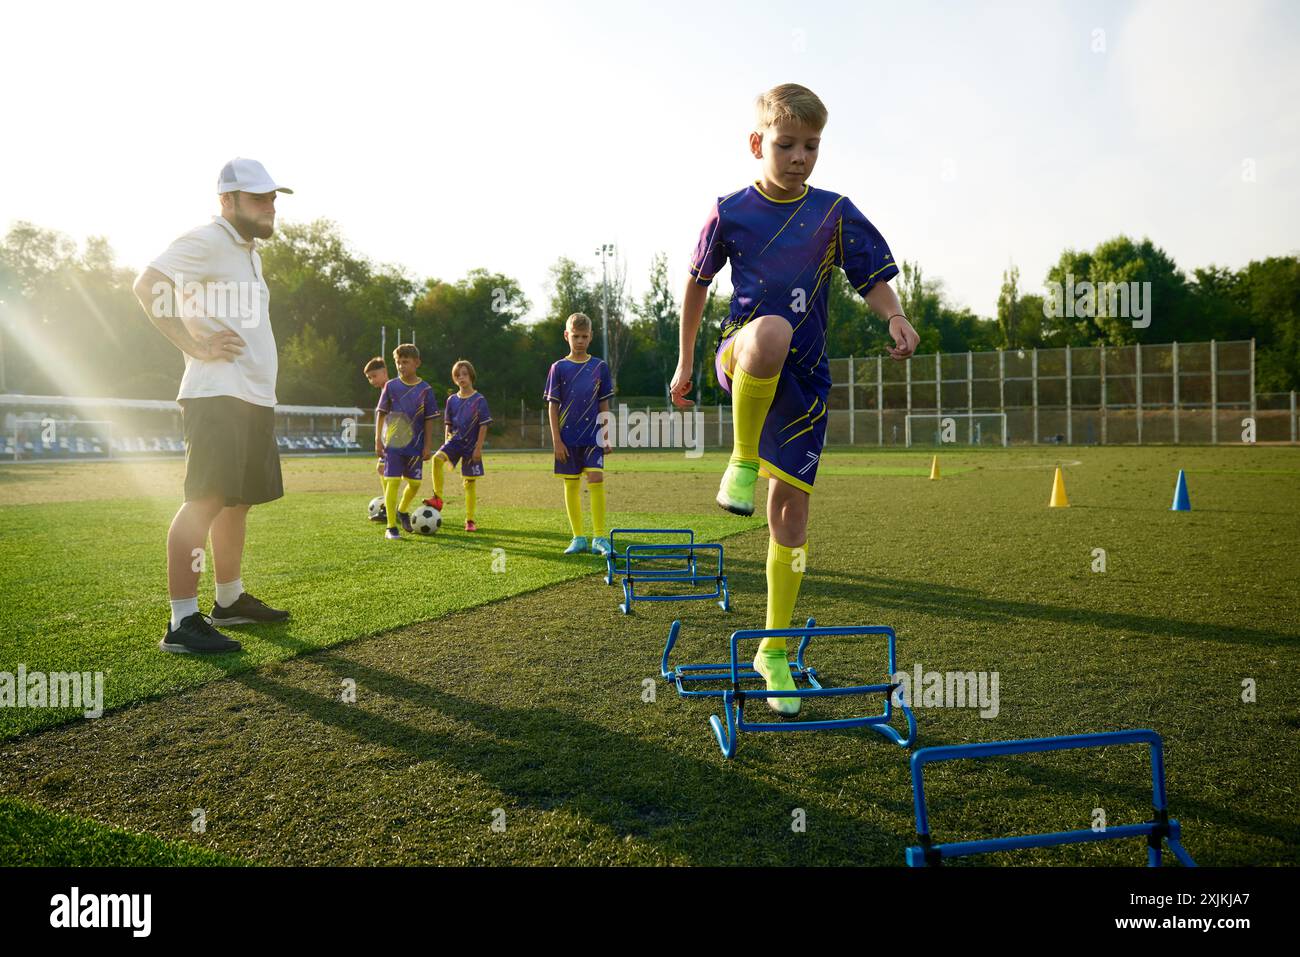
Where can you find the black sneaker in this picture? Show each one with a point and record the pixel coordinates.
(246, 610)
(196, 635)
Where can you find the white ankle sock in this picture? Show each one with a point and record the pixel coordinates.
(182, 608)
(228, 593)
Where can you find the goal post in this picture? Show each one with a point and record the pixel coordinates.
(956, 428)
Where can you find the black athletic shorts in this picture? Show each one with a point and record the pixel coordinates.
(230, 451)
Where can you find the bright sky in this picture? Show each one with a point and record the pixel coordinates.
(446, 136)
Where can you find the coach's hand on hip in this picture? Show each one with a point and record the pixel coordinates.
(225, 345)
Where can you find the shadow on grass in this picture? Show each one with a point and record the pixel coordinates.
(967, 605)
(708, 812)
(1054, 782)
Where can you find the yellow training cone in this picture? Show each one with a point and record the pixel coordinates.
(934, 469)
(1058, 492)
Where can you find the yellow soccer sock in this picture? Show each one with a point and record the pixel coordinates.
(785, 568)
(437, 476)
(390, 499)
(573, 504)
(471, 498)
(751, 397)
(597, 492)
(409, 495)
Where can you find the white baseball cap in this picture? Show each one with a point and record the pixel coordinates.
(247, 176)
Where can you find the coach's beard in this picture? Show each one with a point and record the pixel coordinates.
(257, 228)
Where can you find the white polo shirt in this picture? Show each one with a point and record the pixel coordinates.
(218, 275)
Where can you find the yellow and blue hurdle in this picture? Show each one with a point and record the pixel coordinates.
(1158, 833)
(728, 728)
(636, 563)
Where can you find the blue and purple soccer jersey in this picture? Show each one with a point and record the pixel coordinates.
(407, 406)
(464, 417)
(579, 388)
(781, 254)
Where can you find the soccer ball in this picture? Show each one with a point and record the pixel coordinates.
(426, 520)
(376, 509)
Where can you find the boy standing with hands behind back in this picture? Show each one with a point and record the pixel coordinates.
(578, 389)
(782, 238)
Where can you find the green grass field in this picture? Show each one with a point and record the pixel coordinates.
(501, 716)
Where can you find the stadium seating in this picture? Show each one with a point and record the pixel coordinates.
(94, 446)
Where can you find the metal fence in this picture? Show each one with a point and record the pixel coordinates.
(1170, 393)
(1193, 393)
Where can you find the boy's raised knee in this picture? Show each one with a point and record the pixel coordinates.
(765, 344)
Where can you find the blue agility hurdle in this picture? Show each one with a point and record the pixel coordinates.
(733, 697)
(615, 556)
(1161, 831)
(644, 562)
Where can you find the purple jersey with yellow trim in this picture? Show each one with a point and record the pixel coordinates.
(578, 388)
(781, 254)
(407, 407)
(464, 416)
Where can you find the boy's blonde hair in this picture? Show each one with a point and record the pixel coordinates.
(376, 363)
(579, 321)
(464, 363)
(789, 102)
(406, 351)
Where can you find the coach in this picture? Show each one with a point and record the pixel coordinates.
(206, 294)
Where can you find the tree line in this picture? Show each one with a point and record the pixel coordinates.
(70, 325)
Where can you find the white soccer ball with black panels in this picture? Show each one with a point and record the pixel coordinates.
(426, 520)
(376, 509)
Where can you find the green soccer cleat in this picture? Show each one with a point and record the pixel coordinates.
(577, 547)
(736, 493)
(601, 546)
(775, 669)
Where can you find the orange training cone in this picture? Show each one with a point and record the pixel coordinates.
(1058, 492)
(934, 468)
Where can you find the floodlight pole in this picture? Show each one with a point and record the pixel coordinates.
(605, 252)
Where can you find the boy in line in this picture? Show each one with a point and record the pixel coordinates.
(466, 429)
(578, 389)
(404, 434)
(376, 371)
(782, 238)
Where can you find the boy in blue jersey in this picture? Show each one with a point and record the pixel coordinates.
(578, 389)
(466, 425)
(782, 238)
(404, 434)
